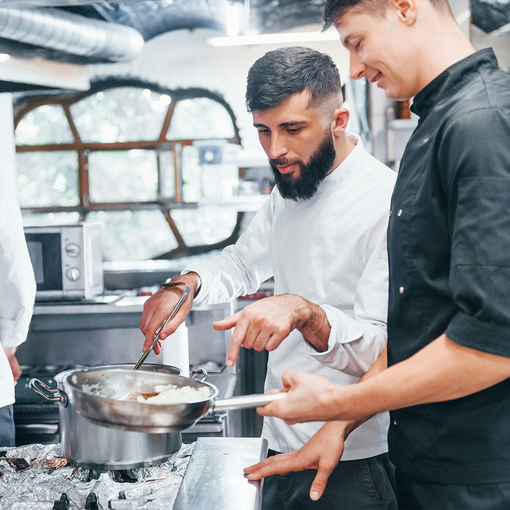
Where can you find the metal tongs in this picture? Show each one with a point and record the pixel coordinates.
(178, 305)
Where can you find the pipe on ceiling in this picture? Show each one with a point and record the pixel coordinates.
(71, 33)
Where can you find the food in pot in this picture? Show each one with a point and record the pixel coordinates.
(149, 394)
(97, 389)
(172, 394)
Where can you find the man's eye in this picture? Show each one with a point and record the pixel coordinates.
(263, 131)
(294, 131)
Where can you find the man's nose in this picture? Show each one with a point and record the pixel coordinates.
(356, 67)
(277, 147)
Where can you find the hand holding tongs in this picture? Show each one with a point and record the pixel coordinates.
(143, 357)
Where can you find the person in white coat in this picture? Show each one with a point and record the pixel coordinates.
(17, 295)
(322, 236)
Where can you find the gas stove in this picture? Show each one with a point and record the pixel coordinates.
(206, 475)
(39, 477)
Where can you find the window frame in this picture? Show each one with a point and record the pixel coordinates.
(26, 103)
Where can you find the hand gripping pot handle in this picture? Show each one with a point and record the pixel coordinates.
(246, 401)
(39, 388)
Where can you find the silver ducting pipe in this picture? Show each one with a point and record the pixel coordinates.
(70, 33)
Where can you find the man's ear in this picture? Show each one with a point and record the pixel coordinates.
(405, 10)
(340, 121)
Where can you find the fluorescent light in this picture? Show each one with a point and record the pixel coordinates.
(291, 37)
(4, 57)
(233, 20)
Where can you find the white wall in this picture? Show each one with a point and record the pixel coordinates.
(7, 148)
(499, 43)
(184, 59)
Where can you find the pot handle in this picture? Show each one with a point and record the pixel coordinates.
(38, 386)
(246, 401)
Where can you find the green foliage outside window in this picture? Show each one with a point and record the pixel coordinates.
(120, 115)
(47, 179)
(123, 176)
(44, 125)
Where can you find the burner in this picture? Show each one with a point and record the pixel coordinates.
(124, 476)
(92, 503)
(62, 503)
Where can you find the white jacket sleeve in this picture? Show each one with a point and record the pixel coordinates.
(356, 342)
(240, 268)
(17, 282)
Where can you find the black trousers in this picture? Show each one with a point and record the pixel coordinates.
(6, 426)
(413, 494)
(353, 485)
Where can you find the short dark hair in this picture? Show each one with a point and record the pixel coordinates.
(281, 73)
(335, 9)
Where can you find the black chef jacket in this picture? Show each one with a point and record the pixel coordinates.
(449, 256)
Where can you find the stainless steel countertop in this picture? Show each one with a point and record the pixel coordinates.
(105, 304)
(215, 480)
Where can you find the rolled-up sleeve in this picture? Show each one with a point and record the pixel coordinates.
(479, 189)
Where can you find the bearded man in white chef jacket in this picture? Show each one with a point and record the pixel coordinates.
(17, 294)
(322, 236)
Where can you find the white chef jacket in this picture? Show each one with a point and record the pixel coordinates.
(17, 285)
(331, 250)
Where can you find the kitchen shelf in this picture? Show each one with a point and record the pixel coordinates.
(243, 203)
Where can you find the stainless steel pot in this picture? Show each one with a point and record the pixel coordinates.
(94, 446)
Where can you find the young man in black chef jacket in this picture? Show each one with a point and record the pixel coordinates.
(446, 379)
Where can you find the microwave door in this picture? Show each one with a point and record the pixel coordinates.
(45, 254)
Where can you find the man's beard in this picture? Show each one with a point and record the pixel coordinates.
(312, 174)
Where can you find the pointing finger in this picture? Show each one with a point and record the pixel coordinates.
(227, 322)
(235, 343)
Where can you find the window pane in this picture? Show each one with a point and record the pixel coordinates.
(167, 171)
(121, 114)
(129, 235)
(47, 178)
(191, 174)
(62, 218)
(209, 182)
(46, 124)
(206, 225)
(200, 118)
(123, 176)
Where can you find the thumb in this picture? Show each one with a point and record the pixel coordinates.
(319, 483)
(227, 322)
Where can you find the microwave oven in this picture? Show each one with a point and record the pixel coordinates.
(67, 260)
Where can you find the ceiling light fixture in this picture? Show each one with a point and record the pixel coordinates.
(4, 57)
(233, 20)
(290, 37)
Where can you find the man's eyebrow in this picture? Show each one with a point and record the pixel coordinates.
(295, 123)
(284, 124)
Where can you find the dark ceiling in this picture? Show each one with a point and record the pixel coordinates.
(151, 18)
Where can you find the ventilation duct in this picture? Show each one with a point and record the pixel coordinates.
(69, 33)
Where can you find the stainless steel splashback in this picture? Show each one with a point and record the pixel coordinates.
(94, 334)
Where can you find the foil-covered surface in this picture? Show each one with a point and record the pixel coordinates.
(39, 477)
